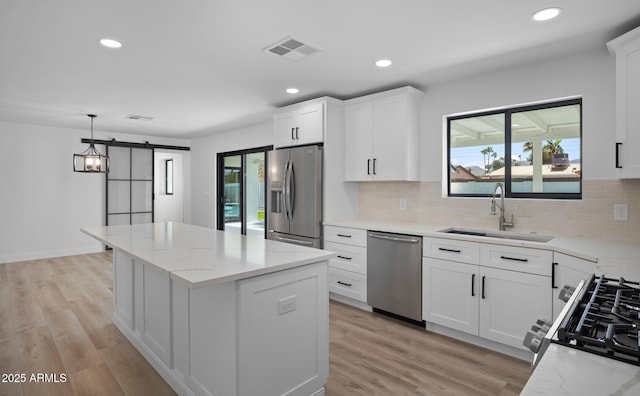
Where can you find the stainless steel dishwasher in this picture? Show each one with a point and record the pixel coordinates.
(394, 274)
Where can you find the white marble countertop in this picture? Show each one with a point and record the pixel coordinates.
(612, 258)
(199, 256)
(567, 371)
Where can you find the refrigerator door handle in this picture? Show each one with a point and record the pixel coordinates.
(292, 189)
(287, 190)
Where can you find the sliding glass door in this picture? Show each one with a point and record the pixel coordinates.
(241, 189)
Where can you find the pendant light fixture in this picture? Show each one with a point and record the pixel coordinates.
(91, 160)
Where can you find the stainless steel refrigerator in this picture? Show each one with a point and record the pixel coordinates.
(294, 196)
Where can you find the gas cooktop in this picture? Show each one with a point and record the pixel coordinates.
(604, 319)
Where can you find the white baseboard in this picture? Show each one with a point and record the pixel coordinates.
(350, 301)
(12, 258)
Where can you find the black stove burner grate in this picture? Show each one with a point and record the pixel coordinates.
(605, 319)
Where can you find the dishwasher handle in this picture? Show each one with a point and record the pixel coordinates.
(394, 238)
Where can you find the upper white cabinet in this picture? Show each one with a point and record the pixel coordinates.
(381, 135)
(626, 49)
(302, 123)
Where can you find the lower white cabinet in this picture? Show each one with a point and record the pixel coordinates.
(510, 302)
(348, 284)
(348, 270)
(568, 270)
(450, 294)
(484, 294)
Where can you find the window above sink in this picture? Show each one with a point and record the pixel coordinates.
(534, 150)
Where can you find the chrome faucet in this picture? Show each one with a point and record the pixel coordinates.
(503, 222)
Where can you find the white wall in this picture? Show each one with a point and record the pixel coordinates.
(203, 166)
(589, 73)
(43, 203)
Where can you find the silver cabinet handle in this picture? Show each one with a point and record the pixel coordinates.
(296, 241)
(395, 239)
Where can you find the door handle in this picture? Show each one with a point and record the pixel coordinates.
(450, 250)
(344, 257)
(473, 285)
(297, 137)
(292, 137)
(368, 166)
(553, 275)
(618, 144)
(344, 283)
(286, 191)
(374, 165)
(483, 296)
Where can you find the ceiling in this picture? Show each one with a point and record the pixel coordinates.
(198, 67)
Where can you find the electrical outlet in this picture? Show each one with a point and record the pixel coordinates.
(621, 212)
(286, 305)
(403, 204)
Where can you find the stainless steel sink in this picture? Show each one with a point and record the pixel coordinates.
(498, 234)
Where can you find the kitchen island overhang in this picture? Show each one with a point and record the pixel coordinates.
(219, 313)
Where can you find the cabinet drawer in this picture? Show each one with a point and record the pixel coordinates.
(532, 261)
(350, 236)
(451, 249)
(348, 284)
(350, 258)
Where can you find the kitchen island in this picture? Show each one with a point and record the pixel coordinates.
(221, 314)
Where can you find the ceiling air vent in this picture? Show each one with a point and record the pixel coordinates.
(291, 48)
(139, 117)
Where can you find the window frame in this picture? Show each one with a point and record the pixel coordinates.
(168, 180)
(508, 111)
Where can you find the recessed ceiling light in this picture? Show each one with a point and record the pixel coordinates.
(292, 90)
(110, 43)
(383, 63)
(546, 14)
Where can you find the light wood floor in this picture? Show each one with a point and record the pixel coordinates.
(55, 319)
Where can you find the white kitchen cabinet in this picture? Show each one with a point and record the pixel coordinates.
(626, 49)
(492, 291)
(510, 302)
(568, 270)
(381, 136)
(450, 294)
(300, 124)
(348, 270)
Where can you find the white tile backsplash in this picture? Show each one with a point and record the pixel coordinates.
(590, 217)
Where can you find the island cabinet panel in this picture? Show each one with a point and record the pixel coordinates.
(284, 332)
(267, 334)
(180, 329)
(156, 312)
(212, 340)
(123, 288)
